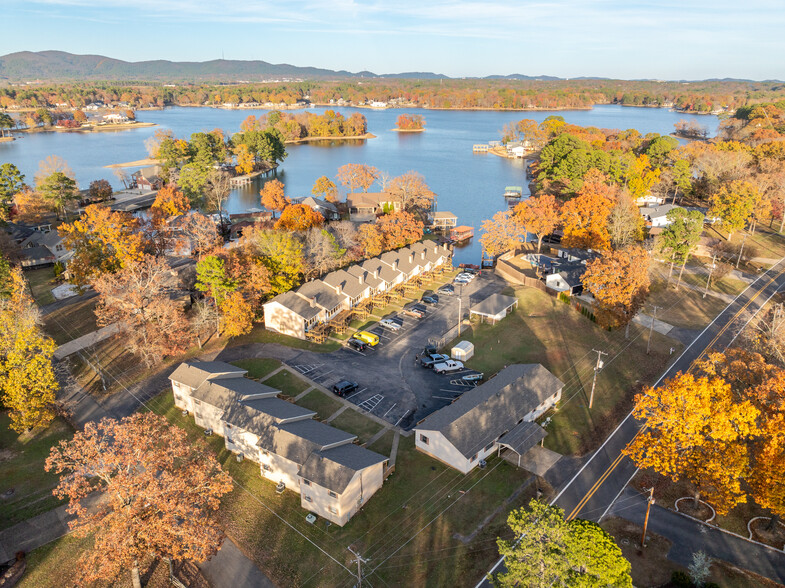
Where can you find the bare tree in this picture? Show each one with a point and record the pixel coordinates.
(345, 232)
(625, 223)
(321, 252)
(123, 176)
(217, 191)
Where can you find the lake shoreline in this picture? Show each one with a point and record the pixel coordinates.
(407, 130)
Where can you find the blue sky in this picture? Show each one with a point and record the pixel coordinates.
(666, 39)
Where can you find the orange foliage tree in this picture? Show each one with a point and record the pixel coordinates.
(169, 202)
(501, 234)
(694, 428)
(412, 191)
(103, 241)
(31, 207)
(138, 298)
(370, 239)
(245, 159)
(299, 217)
(619, 281)
(399, 229)
(410, 122)
(157, 491)
(273, 197)
(357, 175)
(325, 188)
(585, 217)
(236, 315)
(539, 215)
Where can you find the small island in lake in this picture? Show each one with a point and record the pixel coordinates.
(410, 123)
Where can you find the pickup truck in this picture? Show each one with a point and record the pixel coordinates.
(432, 359)
(450, 365)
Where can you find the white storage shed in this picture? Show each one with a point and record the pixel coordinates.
(463, 351)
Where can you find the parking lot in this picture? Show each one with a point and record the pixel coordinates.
(392, 384)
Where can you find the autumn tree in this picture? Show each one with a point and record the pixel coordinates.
(60, 190)
(733, 205)
(158, 492)
(100, 190)
(625, 222)
(27, 379)
(411, 191)
(236, 315)
(282, 255)
(251, 275)
(217, 192)
(321, 252)
(140, 299)
(31, 207)
(549, 551)
(245, 159)
(585, 217)
(539, 215)
(410, 122)
(619, 282)
(211, 279)
(299, 217)
(102, 241)
(326, 188)
(501, 234)
(680, 237)
(198, 233)
(273, 197)
(51, 165)
(399, 229)
(641, 177)
(357, 175)
(693, 429)
(11, 183)
(169, 202)
(371, 239)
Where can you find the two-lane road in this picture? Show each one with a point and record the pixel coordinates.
(592, 491)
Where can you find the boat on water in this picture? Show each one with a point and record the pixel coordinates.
(513, 192)
(461, 233)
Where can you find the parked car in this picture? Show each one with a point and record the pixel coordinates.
(397, 319)
(431, 359)
(465, 276)
(430, 299)
(413, 312)
(390, 324)
(430, 350)
(451, 365)
(357, 345)
(446, 290)
(345, 387)
(461, 279)
(370, 338)
(419, 306)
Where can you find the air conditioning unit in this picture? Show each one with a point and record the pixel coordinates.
(208, 432)
(185, 412)
(240, 457)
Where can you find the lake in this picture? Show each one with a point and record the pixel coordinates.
(468, 185)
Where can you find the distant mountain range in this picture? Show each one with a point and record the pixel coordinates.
(62, 66)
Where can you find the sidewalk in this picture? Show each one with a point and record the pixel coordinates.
(689, 536)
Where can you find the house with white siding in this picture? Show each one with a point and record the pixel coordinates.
(334, 476)
(497, 415)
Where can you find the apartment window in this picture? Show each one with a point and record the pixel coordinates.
(332, 510)
(306, 482)
(308, 498)
(474, 457)
(424, 439)
(488, 447)
(332, 494)
(229, 440)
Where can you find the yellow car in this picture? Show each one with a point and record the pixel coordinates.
(367, 337)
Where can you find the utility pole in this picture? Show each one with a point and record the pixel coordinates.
(460, 308)
(651, 327)
(741, 249)
(597, 368)
(711, 270)
(649, 502)
(360, 562)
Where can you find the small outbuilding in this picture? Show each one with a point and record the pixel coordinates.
(494, 308)
(463, 351)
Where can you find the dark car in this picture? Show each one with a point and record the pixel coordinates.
(345, 387)
(418, 306)
(428, 361)
(447, 290)
(431, 299)
(357, 345)
(429, 350)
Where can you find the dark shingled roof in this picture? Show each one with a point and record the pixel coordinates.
(296, 441)
(300, 306)
(483, 414)
(494, 305)
(257, 415)
(334, 468)
(194, 373)
(223, 393)
(523, 437)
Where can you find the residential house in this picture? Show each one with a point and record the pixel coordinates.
(367, 205)
(115, 118)
(352, 288)
(657, 216)
(333, 476)
(147, 179)
(497, 415)
(567, 277)
(650, 200)
(327, 209)
(291, 314)
(39, 245)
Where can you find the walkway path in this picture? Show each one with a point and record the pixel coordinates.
(689, 536)
(86, 341)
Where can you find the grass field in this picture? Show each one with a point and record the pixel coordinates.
(260, 335)
(421, 491)
(22, 470)
(320, 403)
(353, 422)
(72, 321)
(287, 383)
(684, 307)
(258, 367)
(547, 331)
(41, 283)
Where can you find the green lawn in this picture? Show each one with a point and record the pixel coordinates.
(353, 422)
(287, 383)
(41, 283)
(320, 403)
(544, 330)
(383, 444)
(258, 367)
(22, 469)
(72, 321)
(261, 335)
(684, 307)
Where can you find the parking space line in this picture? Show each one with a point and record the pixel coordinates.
(371, 403)
(389, 409)
(356, 393)
(443, 398)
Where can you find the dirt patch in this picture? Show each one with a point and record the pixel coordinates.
(700, 511)
(774, 536)
(6, 454)
(650, 566)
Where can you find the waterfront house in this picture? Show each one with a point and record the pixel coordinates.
(147, 179)
(495, 416)
(334, 476)
(327, 209)
(567, 277)
(367, 205)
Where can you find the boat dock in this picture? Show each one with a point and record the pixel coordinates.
(246, 179)
(461, 233)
